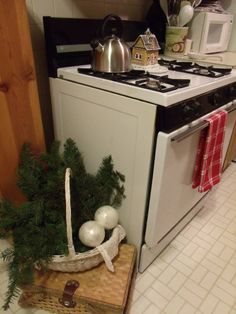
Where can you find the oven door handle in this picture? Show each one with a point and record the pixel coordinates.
(197, 127)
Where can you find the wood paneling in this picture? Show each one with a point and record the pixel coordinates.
(20, 116)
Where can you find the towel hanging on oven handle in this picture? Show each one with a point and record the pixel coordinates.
(200, 126)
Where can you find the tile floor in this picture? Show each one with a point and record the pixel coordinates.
(196, 273)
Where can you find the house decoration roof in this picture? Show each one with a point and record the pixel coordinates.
(149, 41)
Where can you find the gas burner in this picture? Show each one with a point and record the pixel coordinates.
(195, 68)
(161, 84)
(201, 71)
(150, 83)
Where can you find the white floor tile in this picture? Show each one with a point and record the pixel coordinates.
(199, 254)
(195, 288)
(227, 287)
(177, 282)
(209, 304)
(144, 282)
(229, 272)
(175, 305)
(208, 281)
(187, 309)
(163, 290)
(222, 308)
(227, 253)
(156, 298)
(223, 295)
(187, 261)
(139, 306)
(199, 273)
(169, 254)
(179, 266)
(167, 274)
(190, 297)
(154, 270)
(152, 309)
(217, 248)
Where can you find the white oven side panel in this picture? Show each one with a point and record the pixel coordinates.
(103, 123)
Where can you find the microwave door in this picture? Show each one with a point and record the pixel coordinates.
(216, 33)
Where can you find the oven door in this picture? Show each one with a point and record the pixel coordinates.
(172, 196)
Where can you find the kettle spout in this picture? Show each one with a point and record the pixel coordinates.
(96, 45)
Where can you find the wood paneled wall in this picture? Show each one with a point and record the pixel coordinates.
(20, 116)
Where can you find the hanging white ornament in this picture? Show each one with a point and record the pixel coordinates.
(91, 233)
(107, 217)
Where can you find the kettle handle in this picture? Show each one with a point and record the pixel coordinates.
(112, 17)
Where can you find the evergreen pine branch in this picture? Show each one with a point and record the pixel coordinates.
(13, 290)
(73, 159)
(30, 173)
(53, 159)
(111, 182)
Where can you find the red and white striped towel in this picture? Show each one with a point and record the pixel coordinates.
(208, 164)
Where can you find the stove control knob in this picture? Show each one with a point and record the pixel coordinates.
(188, 112)
(232, 90)
(197, 107)
(217, 99)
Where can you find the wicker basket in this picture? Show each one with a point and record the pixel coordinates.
(99, 292)
(76, 262)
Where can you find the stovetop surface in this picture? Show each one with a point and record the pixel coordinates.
(191, 85)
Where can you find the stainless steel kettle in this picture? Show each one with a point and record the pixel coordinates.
(112, 54)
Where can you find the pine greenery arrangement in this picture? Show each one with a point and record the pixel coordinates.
(38, 226)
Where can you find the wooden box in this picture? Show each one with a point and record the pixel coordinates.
(94, 291)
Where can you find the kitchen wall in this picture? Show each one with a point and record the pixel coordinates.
(230, 5)
(127, 9)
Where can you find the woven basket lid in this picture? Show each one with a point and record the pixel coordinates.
(97, 285)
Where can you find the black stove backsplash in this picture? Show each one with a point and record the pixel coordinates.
(75, 31)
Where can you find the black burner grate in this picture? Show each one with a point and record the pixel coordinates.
(195, 68)
(141, 79)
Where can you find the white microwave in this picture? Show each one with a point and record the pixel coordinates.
(210, 32)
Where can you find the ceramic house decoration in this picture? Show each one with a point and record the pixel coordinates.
(145, 50)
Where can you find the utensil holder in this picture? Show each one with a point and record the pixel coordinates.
(175, 39)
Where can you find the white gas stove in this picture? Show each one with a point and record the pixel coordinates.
(149, 123)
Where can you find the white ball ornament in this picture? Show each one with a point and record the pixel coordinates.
(91, 233)
(107, 217)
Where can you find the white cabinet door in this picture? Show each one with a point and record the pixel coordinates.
(102, 123)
